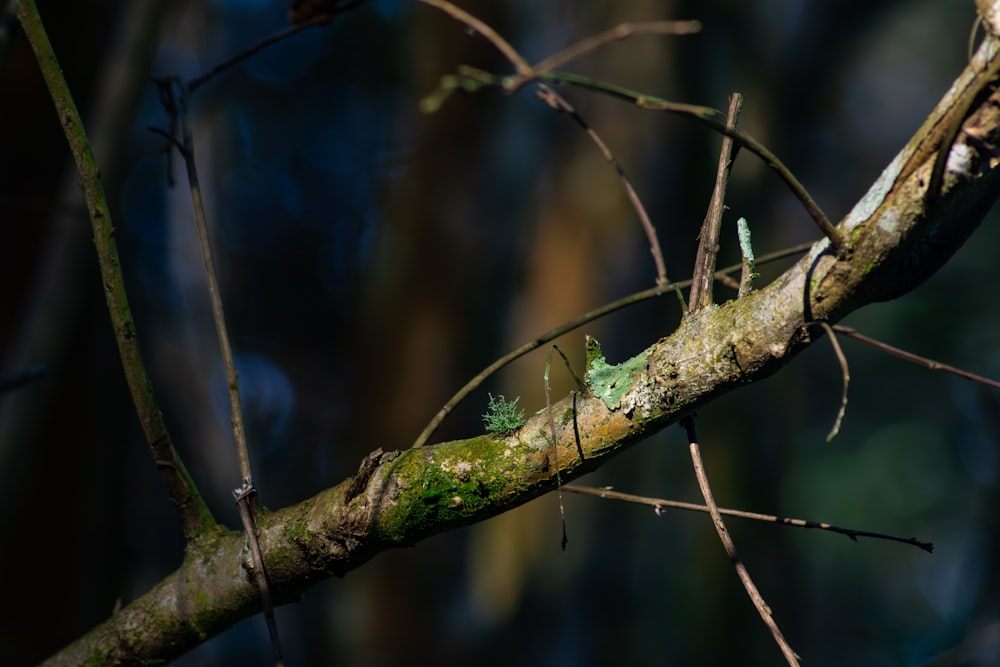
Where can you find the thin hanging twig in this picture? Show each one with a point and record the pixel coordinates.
(727, 542)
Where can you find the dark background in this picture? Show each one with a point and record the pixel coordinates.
(374, 258)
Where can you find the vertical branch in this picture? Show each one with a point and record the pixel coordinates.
(215, 295)
(727, 541)
(708, 246)
(174, 90)
(183, 494)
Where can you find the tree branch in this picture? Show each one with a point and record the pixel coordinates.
(195, 514)
(893, 244)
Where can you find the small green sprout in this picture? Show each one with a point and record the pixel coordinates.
(502, 416)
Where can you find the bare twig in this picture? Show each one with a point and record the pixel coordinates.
(616, 34)
(246, 498)
(555, 443)
(559, 103)
(716, 120)
(211, 278)
(302, 11)
(317, 20)
(181, 488)
(503, 46)
(552, 334)
(915, 358)
(659, 503)
(244, 501)
(846, 372)
(708, 246)
(720, 527)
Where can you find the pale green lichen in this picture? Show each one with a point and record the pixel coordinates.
(503, 416)
(610, 382)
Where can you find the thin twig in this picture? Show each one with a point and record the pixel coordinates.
(555, 444)
(307, 10)
(246, 495)
(915, 358)
(559, 103)
(503, 46)
(195, 515)
(720, 527)
(659, 503)
(845, 372)
(552, 334)
(716, 120)
(616, 34)
(708, 245)
(711, 117)
(212, 281)
(318, 20)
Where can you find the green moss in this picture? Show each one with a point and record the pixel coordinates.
(446, 485)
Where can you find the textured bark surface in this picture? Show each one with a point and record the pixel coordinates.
(895, 241)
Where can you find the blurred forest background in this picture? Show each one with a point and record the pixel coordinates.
(374, 258)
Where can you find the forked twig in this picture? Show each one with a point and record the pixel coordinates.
(720, 527)
(659, 503)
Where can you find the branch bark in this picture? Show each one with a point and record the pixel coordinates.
(895, 239)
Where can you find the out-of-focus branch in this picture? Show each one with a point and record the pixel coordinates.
(194, 513)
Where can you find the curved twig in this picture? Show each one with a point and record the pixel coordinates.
(503, 46)
(552, 334)
(716, 120)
